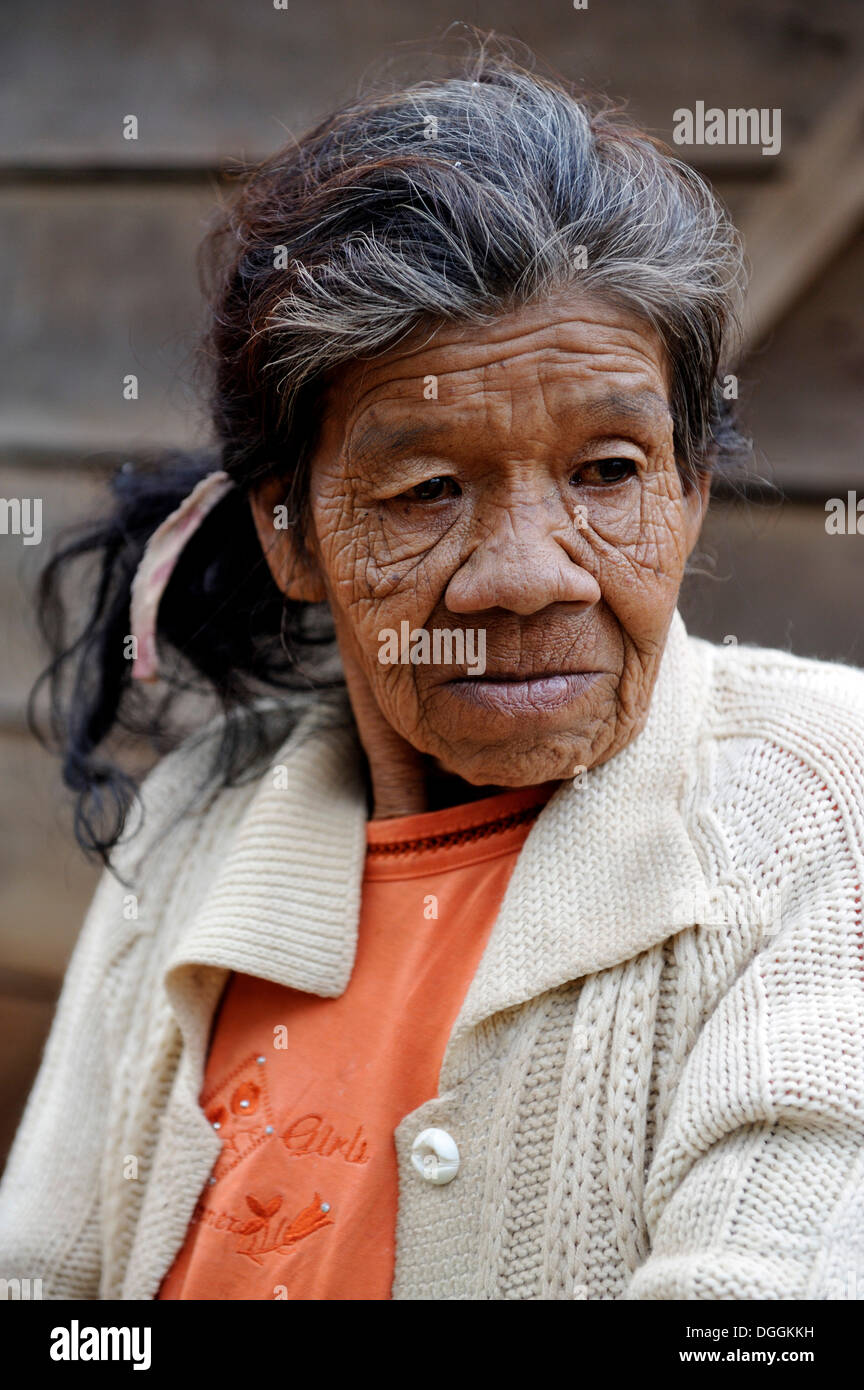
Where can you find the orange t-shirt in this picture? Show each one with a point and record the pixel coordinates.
(307, 1091)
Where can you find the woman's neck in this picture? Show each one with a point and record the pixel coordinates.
(401, 781)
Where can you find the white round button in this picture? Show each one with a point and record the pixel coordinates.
(435, 1156)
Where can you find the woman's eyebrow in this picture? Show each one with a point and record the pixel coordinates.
(646, 407)
(376, 440)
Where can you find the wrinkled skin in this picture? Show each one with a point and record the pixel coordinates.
(559, 524)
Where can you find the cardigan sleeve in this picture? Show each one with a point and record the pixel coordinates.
(756, 1185)
(773, 1211)
(50, 1193)
(756, 1190)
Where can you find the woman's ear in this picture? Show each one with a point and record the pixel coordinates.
(294, 569)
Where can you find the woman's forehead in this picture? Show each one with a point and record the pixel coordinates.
(559, 361)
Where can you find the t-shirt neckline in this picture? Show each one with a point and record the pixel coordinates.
(484, 828)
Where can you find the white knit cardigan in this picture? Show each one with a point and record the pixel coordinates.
(655, 1081)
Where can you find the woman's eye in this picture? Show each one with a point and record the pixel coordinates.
(604, 471)
(432, 490)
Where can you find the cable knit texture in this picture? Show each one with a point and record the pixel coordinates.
(656, 1078)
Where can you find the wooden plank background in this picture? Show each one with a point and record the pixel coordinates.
(98, 279)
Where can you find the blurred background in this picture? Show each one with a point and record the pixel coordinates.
(98, 273)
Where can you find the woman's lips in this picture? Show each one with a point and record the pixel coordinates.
(528, 695)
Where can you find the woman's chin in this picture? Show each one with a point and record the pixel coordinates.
(516, 763)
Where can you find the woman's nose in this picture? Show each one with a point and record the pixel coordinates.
(523, 564)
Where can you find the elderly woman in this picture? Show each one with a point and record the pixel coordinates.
(521, 957)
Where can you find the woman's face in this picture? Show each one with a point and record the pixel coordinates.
(516, 481)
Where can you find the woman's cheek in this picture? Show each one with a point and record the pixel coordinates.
(646, 533)
(400, 538)
(407, 570)
(612, 519)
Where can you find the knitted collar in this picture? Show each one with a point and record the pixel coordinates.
(606, 872)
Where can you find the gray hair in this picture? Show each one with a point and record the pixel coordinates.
(457, 200)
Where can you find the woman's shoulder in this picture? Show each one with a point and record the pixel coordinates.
(784, 729)
(776, 798)
(754, 684)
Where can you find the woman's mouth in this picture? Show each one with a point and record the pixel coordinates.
(541, 694)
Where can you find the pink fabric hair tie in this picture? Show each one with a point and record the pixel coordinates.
(157, 564)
